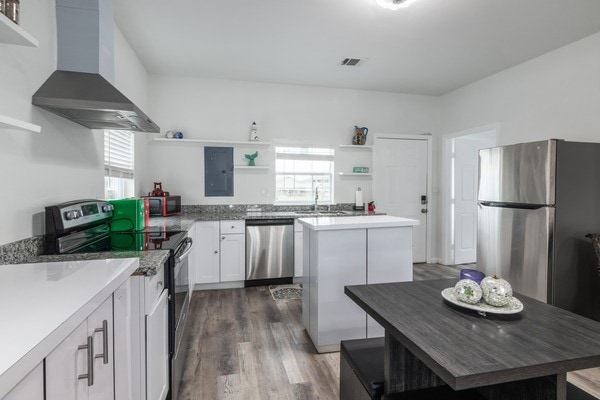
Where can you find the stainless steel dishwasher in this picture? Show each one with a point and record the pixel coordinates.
(269, 251)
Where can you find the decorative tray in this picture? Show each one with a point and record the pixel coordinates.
(514, 305)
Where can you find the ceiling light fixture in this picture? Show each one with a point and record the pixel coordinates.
(395, 4)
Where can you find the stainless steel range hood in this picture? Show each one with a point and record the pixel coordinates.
(81, 89)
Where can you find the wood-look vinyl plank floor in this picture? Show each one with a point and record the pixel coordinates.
(247, 346)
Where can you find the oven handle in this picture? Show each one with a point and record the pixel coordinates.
(189, 243)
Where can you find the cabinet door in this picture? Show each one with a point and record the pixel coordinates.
(298, 253)
(100, 327)
(206, 242)
(233, 258)
(389, 260)
(123, 344)
(157, 350)
(64, 366)
(30, 388)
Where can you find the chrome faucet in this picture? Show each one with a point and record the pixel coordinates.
(316, 197)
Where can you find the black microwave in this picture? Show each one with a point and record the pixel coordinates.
(164, 206)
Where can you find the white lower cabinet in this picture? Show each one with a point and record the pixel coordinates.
(220, 251)
(30, 388)
(233, 257)
(81, 366)
(157, 350)
(207, 244)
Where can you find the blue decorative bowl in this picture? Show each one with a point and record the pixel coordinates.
(472, 274)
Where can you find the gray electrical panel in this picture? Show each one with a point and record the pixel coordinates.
(218, 171)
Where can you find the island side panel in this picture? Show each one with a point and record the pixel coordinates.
(306, 278)
(340, 260)
(390, 259)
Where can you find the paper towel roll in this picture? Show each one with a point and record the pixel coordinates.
(358, 199)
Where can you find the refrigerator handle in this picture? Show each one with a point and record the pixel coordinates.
(513, 205)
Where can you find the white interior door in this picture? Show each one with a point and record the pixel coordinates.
(464, 178)
(400, 181)
(465, 200)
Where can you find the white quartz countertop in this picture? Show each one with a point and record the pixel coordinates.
(42, 303)
(362, 222)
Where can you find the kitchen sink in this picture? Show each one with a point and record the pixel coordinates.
(323, 213)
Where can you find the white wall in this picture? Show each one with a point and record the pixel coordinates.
(285, 114)
(64, 161)
(556, 95)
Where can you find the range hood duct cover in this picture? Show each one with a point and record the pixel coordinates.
(81, 89)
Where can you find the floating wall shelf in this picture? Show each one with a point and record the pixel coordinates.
(355, 146)
(213, 142)
(11, 123)
(257, 167)
(12, 33)
(354, 174)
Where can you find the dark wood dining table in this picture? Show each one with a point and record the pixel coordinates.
(430, 342)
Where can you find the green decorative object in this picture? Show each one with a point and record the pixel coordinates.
(251, 158)
(360, 170)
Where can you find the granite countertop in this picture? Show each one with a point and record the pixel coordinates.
(151, 261)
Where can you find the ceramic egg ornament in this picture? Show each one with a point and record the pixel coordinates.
(468, 291)
(496, 291)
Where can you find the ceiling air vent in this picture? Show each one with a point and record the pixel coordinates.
(351, 62)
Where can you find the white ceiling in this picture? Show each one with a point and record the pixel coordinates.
(432, 47)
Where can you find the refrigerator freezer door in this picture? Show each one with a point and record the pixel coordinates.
(514, 244)
(520, 174)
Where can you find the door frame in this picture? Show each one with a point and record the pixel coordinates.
(446, 179)
(431, 209)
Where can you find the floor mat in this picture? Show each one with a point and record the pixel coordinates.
(286, 292)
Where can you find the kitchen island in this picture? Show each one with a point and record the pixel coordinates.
(349, 251)
(429, 343)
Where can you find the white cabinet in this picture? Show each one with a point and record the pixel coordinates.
(206, 242)
(124, 341)
(298, 246)
(30, 388)
(81, 366)
(348, 255)
(220, 251)
(233, 257)
(149, 351)
(157, 351)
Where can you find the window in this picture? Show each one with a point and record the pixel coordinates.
(298, 171)
(118, 164)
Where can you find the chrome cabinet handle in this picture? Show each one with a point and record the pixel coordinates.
(159, 284)
(424, 210)
(232, 226)
(216, 251)
(104, 330)
(222, 237)
(90, 360)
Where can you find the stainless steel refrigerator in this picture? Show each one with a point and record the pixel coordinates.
(536, 203)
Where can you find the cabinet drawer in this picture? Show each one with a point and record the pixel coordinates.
(154, 287)
(232, 226)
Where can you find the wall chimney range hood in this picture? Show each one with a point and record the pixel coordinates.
(82, 89)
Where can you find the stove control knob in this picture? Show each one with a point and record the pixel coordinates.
(107, 208)
(73, 214)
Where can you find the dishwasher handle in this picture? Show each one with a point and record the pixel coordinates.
(269, 222)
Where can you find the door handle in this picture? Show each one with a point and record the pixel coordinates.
(104, 330)
(90, 360)
(424, 210)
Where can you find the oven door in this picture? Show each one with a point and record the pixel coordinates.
(181, 300)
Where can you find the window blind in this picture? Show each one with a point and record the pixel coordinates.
(118, 154)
